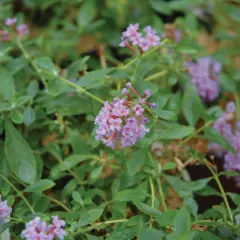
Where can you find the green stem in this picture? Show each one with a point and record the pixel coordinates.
(152, 191)
(194, 134)
(60, 204)
(18, 192)
(51, 198)
(26, 55)
(144, 55)
(161, 195)
(99, 224)
(224, 196)
(156, 75)
(78, 88)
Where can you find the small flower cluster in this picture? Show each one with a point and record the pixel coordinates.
(37, 229)
(5, 210)
(122, 120)
(225, 127)
(20, 30)
(205, 76)
(131, 37)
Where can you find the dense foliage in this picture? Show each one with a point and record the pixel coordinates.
(119, 120)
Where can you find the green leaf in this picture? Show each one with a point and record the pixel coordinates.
(69, 188)
(22, 100)
(93, 79)
(151, 234)
(19, 155)
(16, 117)
(172, 131)
(182, 223)
(228, 84)
(32, 88)
(192, 105)
(136, 162)
(73, 160)
(89, 217)
(164, 114)
(122, 234)
(129, 195)
(7, 89)
(235, 197)
(4, 226)
(147, 209)
(212, 134)
(76, 67)
(161, 6)
(86, 13)
(28, 116)
(94, 175)
(46, 64)
(167, 218)
(191, 205)
(206, 235)
(77, 197)
(169, 166)
(40, 186)
(5, 107)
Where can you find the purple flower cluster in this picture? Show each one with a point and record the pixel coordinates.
(39, 230)
(19, 30)
(205, 76)
(122, 120)
(225, 127)
(5, 210)
(132, 37)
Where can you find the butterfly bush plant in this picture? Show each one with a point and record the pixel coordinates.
(119, 120)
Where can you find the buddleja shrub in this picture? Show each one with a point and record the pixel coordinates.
(93, 145)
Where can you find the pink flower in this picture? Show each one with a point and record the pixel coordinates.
(115, 123)
(39, 230)
(10, 21)
(122, 120)
(5, 210)
(132, 37)
(22, 30)
(138, 110)
(205, 76)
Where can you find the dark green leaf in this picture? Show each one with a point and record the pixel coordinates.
(28, 116)
(19, 155)
(7, 89)
(192, 105)
(16, 117)
(147, 209)
(93, 78)
(90, 216)
(137, 161)
(150, 233)
(182, 223)
(40, 186)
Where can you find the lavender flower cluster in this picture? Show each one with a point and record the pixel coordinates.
(5, 210)
(19, 30)
(123, 120)
(225, 126)
(37, 229)
(132, 37)
(205, 76)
